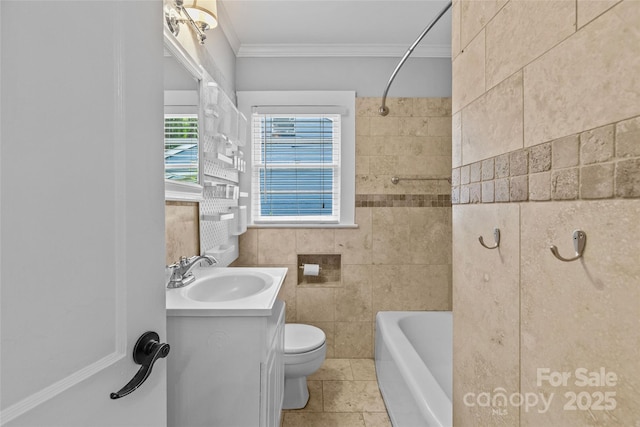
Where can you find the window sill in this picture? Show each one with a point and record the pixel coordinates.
(327, 226)
(176, 191)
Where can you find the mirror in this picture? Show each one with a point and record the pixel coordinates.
(182, 147)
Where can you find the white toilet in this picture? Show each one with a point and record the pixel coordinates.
(304, 352)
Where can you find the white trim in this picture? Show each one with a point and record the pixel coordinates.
(172, 44)
(182, 191)
(227, 28)
(300, 109)
(306, 225)
(340, 50)
(175, 196)
(47, 393)
(248, 99)
(120, 160)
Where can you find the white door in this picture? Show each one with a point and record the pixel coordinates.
(81, 211)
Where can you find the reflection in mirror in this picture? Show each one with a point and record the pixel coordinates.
(181, 105)
(183, 148)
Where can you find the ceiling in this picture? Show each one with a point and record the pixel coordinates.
(303, 28)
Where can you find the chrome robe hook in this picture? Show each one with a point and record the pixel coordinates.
(579, 242)
(496, 237)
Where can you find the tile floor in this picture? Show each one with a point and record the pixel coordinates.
(343, 393)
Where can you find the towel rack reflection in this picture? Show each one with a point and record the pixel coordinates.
(397, 179)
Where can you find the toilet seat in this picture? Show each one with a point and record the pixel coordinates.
(300, 338)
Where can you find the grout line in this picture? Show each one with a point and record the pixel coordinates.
(524, 127)
(595, 17)
(520, 307)
(486, 58)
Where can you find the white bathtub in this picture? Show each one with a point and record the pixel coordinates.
(414, 358)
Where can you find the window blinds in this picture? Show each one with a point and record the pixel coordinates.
(296, 167)
(181, 147)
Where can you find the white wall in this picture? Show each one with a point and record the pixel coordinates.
(222, 54)
(419, 77)
(216, 56)
(176, 77)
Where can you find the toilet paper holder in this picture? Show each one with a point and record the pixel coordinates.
(319, 269)
(301, 267)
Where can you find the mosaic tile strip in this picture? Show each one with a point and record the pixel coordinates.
(403, 200)
(601, 163)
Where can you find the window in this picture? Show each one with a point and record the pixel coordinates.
(181, 147)
(290, 108)
(296, 168)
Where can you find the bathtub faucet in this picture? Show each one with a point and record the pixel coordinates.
(181, 274)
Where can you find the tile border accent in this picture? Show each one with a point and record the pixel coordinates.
(403, 200)
(601, 163)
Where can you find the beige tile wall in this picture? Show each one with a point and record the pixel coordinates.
(399, 257)
(486, 304)
(182, 231)
(600, 163)
(546, 121)
(582, 314)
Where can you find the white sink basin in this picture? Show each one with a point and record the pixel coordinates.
(228, 286)
(227, 291)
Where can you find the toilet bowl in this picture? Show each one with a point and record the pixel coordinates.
(304, 352)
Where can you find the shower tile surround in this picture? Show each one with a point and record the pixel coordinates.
(399, 257)
(600, 163)
(546, 140)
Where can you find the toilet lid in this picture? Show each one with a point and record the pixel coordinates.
(300, 338)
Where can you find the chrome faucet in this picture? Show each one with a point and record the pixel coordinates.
(181, 274)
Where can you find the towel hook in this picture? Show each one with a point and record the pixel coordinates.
(579, 242)
(496, 237)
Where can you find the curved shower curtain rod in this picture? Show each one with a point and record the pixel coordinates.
(384, 110)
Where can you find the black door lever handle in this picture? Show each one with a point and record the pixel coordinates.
(147, 350)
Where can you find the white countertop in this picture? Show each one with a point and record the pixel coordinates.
(261, 304)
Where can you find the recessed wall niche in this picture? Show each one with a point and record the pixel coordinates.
(330, 268)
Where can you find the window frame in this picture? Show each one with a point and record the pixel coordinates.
(311, 102)
(334, 166)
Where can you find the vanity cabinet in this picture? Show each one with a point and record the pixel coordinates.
(226, 370)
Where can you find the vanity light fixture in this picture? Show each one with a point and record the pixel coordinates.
(201, 14)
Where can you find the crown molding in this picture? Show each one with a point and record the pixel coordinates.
(295, 50)
(227, 29)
